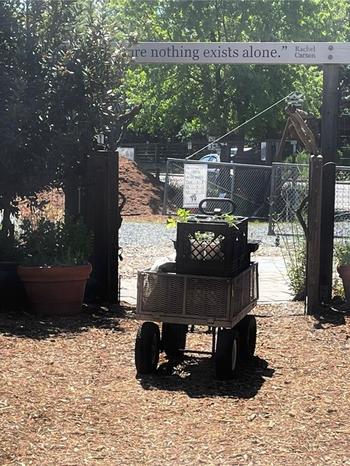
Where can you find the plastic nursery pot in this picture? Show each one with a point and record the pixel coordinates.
(55, 290)
(344, 273)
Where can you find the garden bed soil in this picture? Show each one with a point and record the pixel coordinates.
(69, 395)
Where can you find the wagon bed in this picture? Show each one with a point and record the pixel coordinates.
(196, 300)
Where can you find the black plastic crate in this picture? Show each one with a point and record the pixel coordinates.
(212, 248)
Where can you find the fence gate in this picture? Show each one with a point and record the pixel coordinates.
(290, 185)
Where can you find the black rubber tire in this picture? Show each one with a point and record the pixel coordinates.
(226, 355)
(147, 348)
(174, 339)
(247, 337)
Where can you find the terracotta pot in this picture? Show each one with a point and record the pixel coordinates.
(55, 290)
(344, 273)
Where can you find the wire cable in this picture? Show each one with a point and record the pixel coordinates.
(240, 126)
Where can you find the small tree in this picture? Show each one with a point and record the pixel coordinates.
(59, 86)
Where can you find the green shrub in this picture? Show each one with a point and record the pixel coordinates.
(47, 243)
(296, 268)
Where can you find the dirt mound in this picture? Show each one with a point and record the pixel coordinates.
(142, 192)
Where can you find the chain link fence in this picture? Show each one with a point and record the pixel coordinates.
(248, 186)
(289, 187)
(263, 192)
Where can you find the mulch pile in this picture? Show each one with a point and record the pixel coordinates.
(69, 396)
(143, 193)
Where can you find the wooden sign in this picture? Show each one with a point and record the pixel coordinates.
(310, 53)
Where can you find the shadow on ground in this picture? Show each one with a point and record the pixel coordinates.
(195, 376)
(26, 325)
(332, 315)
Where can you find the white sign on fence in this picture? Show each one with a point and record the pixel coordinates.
(195, 183)
(242, 52)
(127, 152)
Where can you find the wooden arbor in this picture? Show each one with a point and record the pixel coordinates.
(330, 55)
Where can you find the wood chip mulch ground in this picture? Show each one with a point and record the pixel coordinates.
(69, 395)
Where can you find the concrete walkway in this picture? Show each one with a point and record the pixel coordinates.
(273, 285)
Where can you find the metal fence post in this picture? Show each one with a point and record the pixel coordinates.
(271, 230)
(166, 185)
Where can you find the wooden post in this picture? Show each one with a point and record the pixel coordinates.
(112, 226)
(100, 212)
(330, 108)
(314, 235)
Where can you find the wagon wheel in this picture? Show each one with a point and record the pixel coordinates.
(147, 348)
(247, 337)
(226, 354)
(174, 339)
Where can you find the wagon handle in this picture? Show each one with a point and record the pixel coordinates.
(216, 211)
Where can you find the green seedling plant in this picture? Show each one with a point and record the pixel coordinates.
(230, 219)
(182, 216)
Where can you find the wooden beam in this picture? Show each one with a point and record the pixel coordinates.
(330, 109)
(313, 245)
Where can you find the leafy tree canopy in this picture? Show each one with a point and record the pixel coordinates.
(60, 73)
(181, 100)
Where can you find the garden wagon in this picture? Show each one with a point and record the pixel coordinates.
(213, 283)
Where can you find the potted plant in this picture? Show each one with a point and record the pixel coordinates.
(342, 253)
(55, 267)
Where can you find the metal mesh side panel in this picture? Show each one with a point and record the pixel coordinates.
(207, 298)
(162, 293)
(244, 290)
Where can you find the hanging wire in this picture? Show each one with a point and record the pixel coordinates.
(240, 126)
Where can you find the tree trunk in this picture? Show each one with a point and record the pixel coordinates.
(240, 142)
(7, 231)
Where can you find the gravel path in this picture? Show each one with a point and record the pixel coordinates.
(152, 234)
